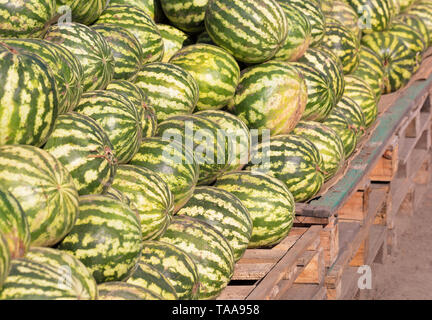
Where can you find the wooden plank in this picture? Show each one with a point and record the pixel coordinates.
(305, 292)
(313, 272)
(387, 165)
(235, 293)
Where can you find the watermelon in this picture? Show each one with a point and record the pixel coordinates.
(173, 162)
(269, 202)
(91, 50)
(174, 39)
(352, 111)
(215, 71)
(149, 195)
(371, 70)
(344, 44)
(139, 99)
(375, 15)
(312, 10)
(405, 4)
(85, 12)
(417, 23)
(140, 25)
(341, 125)
(74, 271)
(209, 250)
(128, 55)
(185, 15)
(204, 37)
(5, 260)
(299, 34)
(423, 10)
(26, 19)
(148, 277)
(66, 69)
(118, 117)
(204, 137)
(237, 134)
(170, 90)
(13, 225)
(151, 7)
(271, 96)
(85, 150)
(344, 14)
(175, 265)
(294, 160)
(232, 25)
(117, 290)
(223, 211)
(26, 120)
(45, 190)
(106, 238)
(364, 96)
(321, 99)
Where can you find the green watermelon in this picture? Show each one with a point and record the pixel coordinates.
(341, 125)
(29, 105)
(117, 290)
(209, 250)
(149, 195)
(232, 25)
(294, 160)
(174, 39)
(204, 37)
(223, 211)
(13, 225)
(91, 50)
(423, 10)
(85, 12)
(186, 15)
(118, 117)
(148, 277)
(170, 90)
(45, 190)
(106, 238)
(127, 51)
(417, 23)
(375, 15)
(405, 4)
(272, 95)
(343, 13)
(5, 260)
(67, 70)
(26, 19)
(139, 99)
(151, 7)
(352, 111)
(85, 150)
(175, 265)
(215, 71)
(174, 163)
(140, 25)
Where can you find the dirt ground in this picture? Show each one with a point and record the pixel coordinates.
(407, 274)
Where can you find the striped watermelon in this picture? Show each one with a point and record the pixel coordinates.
(299, 34)
(364, 96)
(375, 15)
(272, 96)
(204, 37)
(344, 44)
(91, 50)
(82, 146)
(151, 7)
(106, 238)
(321, 99)
(127, 51)
(341, 125)
(312, 10)
(405, 4)
(269, 202)
(343, 13)
(149, 195)
(120, 196)
(232, 24)
(139, 99)
(204, 137)
(173, 162)
(226, 213)
(148, 277)
(215, 71)
(352, 111)
(25, 19)
(13, 225)
(44, 189)
(85, 12)
(170, 90)
(186, 15)
(117, 290)
(237, 134)
(118, 117)
(208, 249)
(371, 70)
(140, 25)
(66, 69)
(174, 39)
(5, 260)
(417, 23)
(175, 265)
(74, 271)
(327, 142)
(292, 159)
(423, 10)
(24, 120)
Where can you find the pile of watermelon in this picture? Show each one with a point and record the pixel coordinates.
(146, 144)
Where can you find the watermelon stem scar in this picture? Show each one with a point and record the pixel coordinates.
(108, 155)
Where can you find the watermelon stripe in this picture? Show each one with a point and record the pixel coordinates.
(5, 260)
(125, 291)
(188, 16)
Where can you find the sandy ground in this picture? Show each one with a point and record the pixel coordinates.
(407, 274)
